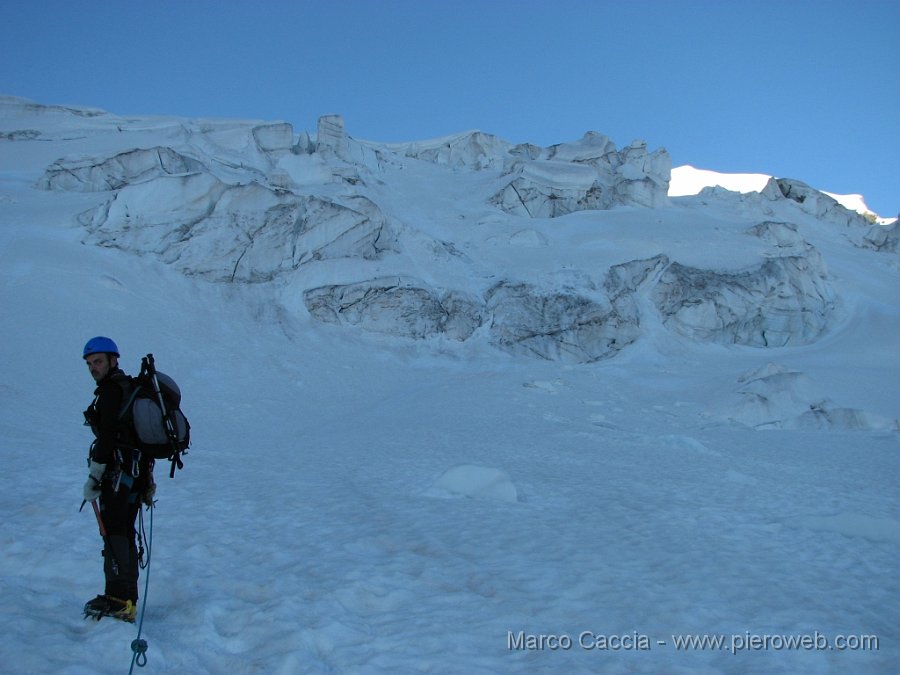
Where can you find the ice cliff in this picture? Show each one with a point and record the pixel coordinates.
(567, 252)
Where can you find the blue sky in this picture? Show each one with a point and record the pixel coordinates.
(798, 89)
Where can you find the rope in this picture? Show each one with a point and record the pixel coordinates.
(139, 645)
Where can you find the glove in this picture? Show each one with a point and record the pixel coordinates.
(92, 486)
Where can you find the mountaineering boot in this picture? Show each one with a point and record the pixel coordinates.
(107, 605)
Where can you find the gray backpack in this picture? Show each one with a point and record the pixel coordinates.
(153, 411)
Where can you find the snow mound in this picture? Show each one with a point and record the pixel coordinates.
(529, 238)
(476, 482)
(778, 397)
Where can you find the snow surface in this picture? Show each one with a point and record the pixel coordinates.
(361, 503)
(689, 180)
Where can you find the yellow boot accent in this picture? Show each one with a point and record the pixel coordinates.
(127, 612)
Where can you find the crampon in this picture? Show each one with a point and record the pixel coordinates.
(107, 605)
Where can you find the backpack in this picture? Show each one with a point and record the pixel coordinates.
(152, 410)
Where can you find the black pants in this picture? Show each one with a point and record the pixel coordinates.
(119, 510)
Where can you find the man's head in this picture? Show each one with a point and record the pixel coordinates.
(101, 355)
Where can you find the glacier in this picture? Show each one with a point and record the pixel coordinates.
(245, 202)
(444, 392)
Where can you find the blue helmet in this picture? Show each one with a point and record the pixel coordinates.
(100, 345)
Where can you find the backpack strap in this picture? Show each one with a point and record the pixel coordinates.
(131, 387)
(128, 403)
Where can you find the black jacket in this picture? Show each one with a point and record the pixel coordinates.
(103, 415)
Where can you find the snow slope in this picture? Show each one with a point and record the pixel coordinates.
(361, 502)
(688, 180)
